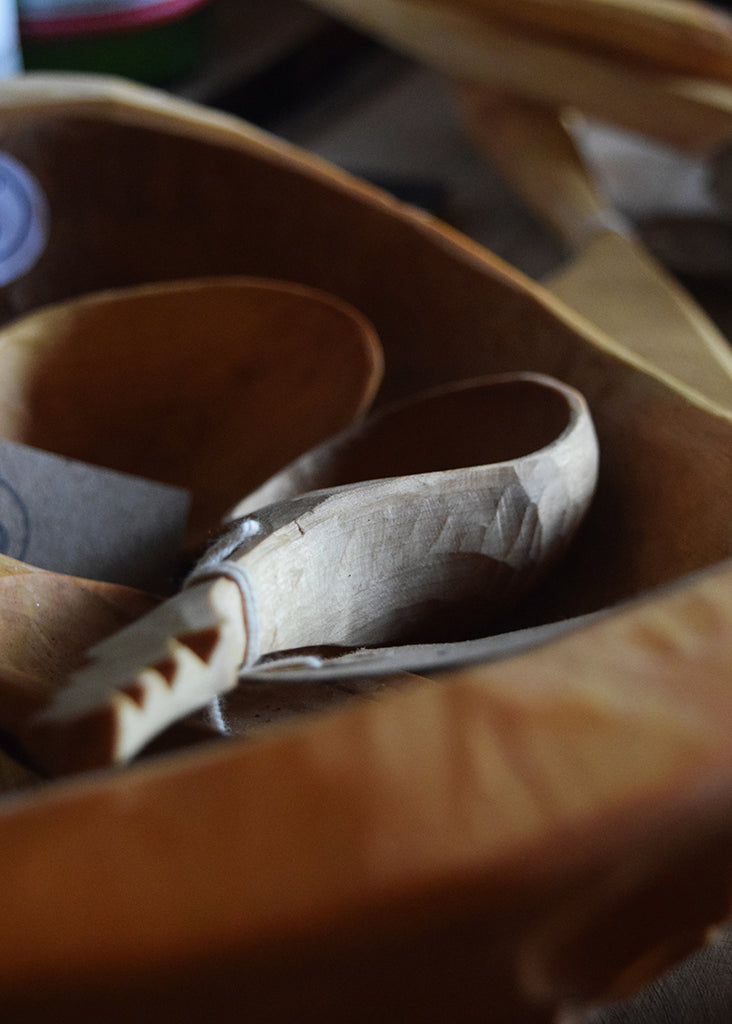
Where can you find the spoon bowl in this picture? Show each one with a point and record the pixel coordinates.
(443, 509)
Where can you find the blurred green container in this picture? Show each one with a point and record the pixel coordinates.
(153, 41)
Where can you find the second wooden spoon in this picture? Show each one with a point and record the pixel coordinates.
(208, 384)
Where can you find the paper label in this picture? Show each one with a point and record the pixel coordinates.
(23, 219)
(73, 518)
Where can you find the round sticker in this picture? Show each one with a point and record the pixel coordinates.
(23, 219)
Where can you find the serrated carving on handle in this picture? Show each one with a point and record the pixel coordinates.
(166, 665)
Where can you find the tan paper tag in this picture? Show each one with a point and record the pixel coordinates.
(78, 519)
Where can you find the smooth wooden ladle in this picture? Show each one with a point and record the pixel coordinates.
(209, 384)
(493, 479)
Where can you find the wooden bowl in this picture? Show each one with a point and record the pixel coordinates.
(186, 192)
(500, 843)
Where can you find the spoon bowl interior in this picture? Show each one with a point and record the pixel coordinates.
(472, 423)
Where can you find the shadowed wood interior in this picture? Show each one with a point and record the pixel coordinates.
(465, 426)
(209, 386)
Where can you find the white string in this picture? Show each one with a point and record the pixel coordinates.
(238, 575)
(217, 563)
(216, 717)
(236, 534)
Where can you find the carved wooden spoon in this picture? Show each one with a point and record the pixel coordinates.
(499, 473)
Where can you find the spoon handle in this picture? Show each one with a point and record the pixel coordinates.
(173, 661)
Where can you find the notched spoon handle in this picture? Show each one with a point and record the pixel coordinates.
(160, 668)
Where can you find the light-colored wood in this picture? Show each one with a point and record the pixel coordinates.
(463, 44)
(620, 287)
(209, 384)
(534, 151)
(612, 280)
(480, 422)
(426, 553)
(676, 36)
(167, 664)
(47, 622)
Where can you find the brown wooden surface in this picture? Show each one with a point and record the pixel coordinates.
(499, 840)
(208, 385)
